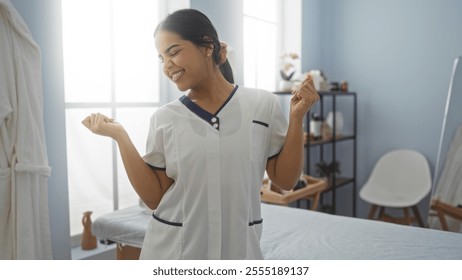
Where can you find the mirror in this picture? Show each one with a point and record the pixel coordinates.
(447, 178)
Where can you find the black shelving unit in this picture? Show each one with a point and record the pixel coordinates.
(322, 145)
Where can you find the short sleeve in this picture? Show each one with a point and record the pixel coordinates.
(155, 155)
(278, 128)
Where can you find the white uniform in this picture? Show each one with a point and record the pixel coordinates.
(217, 162)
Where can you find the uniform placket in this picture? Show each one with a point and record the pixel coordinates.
(214, 191)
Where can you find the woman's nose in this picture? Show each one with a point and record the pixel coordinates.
(168, 63)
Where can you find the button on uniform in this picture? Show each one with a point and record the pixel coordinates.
(214, 121)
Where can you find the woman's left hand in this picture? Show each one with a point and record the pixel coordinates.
(303, 98)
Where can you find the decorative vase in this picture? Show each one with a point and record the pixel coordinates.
(285, 85)
(88, 241)
(338, 122)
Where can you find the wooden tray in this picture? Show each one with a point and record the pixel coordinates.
(271, 194)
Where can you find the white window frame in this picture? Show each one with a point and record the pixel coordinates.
(288, 38)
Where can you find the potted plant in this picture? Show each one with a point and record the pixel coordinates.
(287, 71)
(327, 170)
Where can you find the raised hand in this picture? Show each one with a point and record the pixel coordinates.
(103, 125)
(303, 98)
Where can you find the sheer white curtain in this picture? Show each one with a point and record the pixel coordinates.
(24, 170)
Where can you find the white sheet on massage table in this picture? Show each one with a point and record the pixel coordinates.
(290, 233)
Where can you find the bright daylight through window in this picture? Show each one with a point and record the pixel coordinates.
(111, 67)
(260, 46)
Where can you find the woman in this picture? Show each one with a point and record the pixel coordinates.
(207, 152)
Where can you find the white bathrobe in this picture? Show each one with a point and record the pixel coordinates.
(24, 169)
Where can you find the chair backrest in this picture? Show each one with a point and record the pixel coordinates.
(400, 177)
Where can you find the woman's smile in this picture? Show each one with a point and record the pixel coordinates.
(176, 75)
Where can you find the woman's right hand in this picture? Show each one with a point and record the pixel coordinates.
(103, 125)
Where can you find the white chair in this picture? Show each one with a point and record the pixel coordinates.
(400, 179)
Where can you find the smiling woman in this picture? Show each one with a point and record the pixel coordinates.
(207, 151)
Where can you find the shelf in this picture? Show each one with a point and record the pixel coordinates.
(339, 181)
(326, 149)
(329, 141)
(337, 93)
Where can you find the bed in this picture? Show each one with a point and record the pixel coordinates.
(293, 233)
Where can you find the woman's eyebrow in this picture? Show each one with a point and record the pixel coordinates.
(171, 47)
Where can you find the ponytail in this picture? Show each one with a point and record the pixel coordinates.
(227, 71)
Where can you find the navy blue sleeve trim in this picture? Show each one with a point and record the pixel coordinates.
(156, 168)
(256, 222)
(273, 156)
(167, 222)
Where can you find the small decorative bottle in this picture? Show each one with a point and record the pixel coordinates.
(316, 126)
(88, 240)
(338, 122)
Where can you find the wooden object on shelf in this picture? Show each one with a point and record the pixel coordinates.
(312, 191)
(443, 209)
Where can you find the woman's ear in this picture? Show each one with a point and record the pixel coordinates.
(209, 48)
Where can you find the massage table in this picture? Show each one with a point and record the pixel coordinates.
(300, 234)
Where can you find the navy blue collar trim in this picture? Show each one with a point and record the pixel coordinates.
(193, 107)
(212, 119)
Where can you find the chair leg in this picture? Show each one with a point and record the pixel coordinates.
(372, 212)
(407, 218)
(415, 209)
(382, 215)
(444, 224)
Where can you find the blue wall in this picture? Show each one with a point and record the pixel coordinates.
(398, 56)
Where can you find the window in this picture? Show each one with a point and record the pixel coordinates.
(111, 67)
(260, 43)
(271, 28)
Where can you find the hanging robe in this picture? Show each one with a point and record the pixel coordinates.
(24, 169)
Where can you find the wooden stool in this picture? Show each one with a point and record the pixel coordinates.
(444, 209)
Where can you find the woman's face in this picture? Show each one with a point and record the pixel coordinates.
(183, 62)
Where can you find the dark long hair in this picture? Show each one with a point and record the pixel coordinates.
(196, 27)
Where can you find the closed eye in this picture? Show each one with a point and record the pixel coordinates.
(173, 53)
(170, 54)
